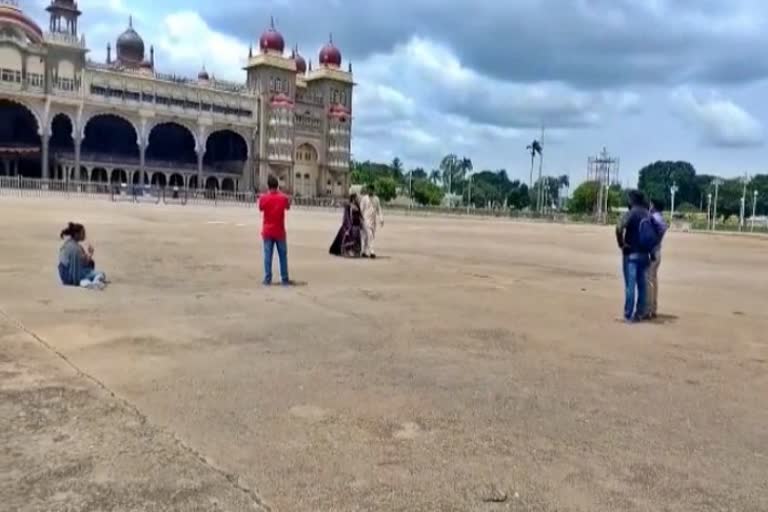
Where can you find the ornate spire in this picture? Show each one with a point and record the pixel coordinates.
(109, 53)
(152, 55)
(250, 50)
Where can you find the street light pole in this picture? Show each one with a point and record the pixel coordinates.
(742, 211)
(673, 190)
(717, 182)
(709, 210)
(754, 208)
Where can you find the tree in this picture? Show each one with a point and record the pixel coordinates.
(418, 174)
(426, 193)
(386, 188)
(435, 176)
(656, 179)
(585, 196)
(397, 169)
(519, 196)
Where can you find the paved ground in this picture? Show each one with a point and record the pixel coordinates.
(478, 366)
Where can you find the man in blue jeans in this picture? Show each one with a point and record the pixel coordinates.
(635, 259)
(273, 206)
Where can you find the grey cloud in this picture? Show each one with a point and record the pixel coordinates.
(590, 43)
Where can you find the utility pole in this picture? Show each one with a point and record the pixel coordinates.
(717, 183)
(410, 188)
(541, 166)
(673, 190)
(754, 208)
(709, 211)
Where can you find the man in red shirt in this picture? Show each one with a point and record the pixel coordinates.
(273, 205)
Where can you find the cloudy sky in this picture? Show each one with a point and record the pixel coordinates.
(648, 79)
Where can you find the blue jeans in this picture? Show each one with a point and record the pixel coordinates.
(635, 267)
(282, 255)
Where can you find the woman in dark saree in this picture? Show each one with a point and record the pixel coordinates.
(347, 242)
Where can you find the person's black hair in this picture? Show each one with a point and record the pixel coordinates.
(272, 183)
(658, 204)
(371, 189)
(73, 230)
(636, 198)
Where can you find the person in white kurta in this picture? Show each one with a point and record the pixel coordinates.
(373, 218)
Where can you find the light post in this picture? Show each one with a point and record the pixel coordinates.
(410, 189)
(742, 210)
(709, 210)
(754, 208)
(717, 183)
(673, 190)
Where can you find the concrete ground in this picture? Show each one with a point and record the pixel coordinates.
(476, 366)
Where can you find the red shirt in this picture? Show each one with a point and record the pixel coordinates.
(273, 205)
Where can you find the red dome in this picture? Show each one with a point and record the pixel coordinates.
(301, 64)
(330, 55)
(10, 13)
(272, 40)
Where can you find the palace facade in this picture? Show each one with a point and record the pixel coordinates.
(65, 117)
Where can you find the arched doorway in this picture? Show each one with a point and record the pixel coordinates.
(171, 143)
(99, 175)
(137, 179)
(62, 145)
(118, 177)
(226, 151)
(306, 167)
(158, 180)
(177, 180)
(228, 185)
(19, 141)
(212, 183)
(110, 135)
(193, 182)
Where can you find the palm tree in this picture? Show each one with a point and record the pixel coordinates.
(449, 165)
(397, 168)
(435, 176)
(534, 148)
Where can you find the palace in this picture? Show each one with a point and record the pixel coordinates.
(65, 117)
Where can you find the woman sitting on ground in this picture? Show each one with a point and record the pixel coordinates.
(76, 265)
(348, 239)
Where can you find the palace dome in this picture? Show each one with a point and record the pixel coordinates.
(330, 55)
(10, 13)
(130, 46)
(203, 75)
(272, 40)
(301, 64)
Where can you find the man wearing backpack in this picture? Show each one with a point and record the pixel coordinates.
(634, 235)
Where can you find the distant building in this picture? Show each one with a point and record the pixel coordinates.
(64, 117)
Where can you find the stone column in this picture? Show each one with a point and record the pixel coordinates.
(45, 165)
(78, 144)
(200, 155)
(142, 171)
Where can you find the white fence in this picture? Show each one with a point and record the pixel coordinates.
(29, 187)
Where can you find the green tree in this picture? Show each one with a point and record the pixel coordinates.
(656, 179)
(397, 169)
(386, 188)
(435, 176)
(518, 196)
(418, 174)
(426, 193)
(584, 199)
